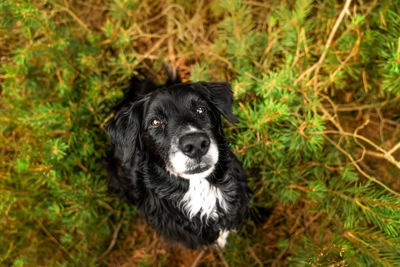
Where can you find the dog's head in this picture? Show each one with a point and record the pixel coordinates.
(178, 127)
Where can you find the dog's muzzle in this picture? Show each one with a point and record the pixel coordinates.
(193, 155)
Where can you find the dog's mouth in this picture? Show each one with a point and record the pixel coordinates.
(201, 170)
(198, 169)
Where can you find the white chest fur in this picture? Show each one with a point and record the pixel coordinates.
(202, 198)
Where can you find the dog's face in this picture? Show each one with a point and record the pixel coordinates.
(179, 132)
(176, 126)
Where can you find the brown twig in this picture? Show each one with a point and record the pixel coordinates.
(358, 143)
(391, 151)
(353, 107)
(113, 240)
(72, 14)
(386, 154)
(196, 261)
(353, 52)
(345, 11)
(253, 254)
(222, 257)
(51, 236)
(373, 179)
(317, 65)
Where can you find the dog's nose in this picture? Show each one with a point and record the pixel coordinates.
(194, 145)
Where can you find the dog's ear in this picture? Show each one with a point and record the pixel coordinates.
(124, 129)
(220, 95)
(137, 89)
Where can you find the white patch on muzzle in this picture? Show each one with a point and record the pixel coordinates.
(180, 164)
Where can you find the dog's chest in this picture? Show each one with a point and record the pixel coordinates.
(202, 197)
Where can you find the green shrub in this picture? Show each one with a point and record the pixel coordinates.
(319, 123)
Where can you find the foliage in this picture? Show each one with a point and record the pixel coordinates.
(319, 132)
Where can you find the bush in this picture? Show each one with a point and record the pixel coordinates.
(317, 93)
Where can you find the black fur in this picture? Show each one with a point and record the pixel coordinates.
(137, 166)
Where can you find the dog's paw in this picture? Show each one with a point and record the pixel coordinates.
(221, 241)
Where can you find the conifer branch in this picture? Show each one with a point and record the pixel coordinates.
(345, 11)
(301, 105)
(317, 65)
(359, 168)
(385, 154)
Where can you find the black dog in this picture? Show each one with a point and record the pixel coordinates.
(171, 159)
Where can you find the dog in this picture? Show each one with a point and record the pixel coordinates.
(171, 159)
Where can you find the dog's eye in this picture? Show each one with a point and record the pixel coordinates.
(200, 110)
(156, 122)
